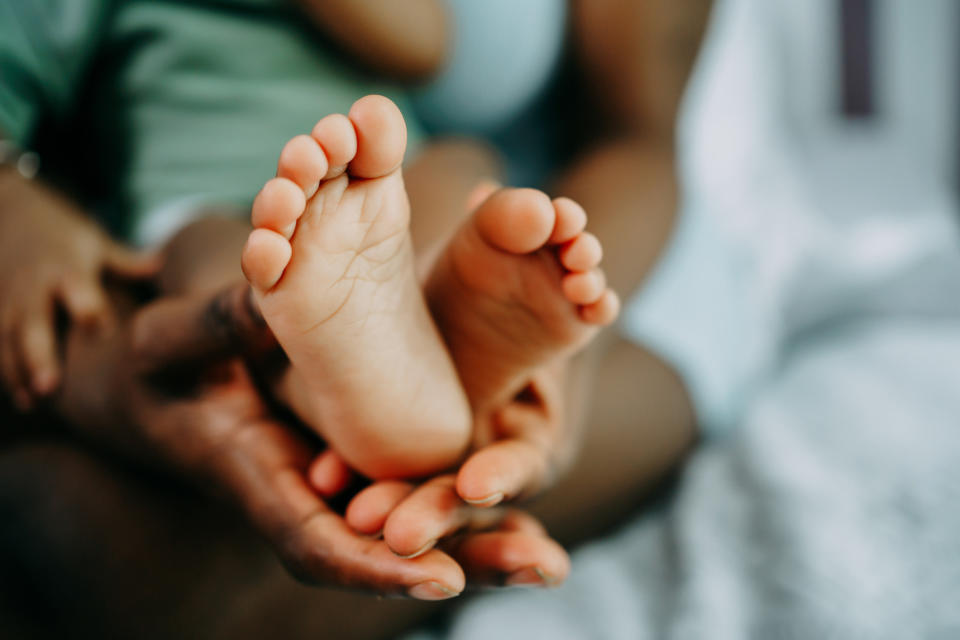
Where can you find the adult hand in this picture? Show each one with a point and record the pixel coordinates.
(52, 257)
(521, 449)
(191, 402)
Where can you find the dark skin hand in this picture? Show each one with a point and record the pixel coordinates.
(519, 450)
(522, 449)
(214, 427)
(53, 258)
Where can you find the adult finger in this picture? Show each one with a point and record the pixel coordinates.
(499, 546)
(524, 444)
(130, 264)
(36, 339)
(329, 474)
(84, 299)
(503, 470)
(521, 522)
(431, 512)
(367, 513)
(512, 558)
(263, 468)
(10, 370)
(175, 332)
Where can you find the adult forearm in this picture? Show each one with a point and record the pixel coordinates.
(403, 39)
(637, 56)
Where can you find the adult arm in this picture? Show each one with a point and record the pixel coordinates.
(407, 40)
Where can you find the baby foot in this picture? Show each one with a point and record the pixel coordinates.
(518, 286)
(331, 265)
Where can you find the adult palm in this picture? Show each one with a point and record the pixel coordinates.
(182, 396)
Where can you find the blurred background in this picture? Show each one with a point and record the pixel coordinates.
(775, 184)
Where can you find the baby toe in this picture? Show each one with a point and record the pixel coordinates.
(571, 220)
(338, 139)
(264, 258)
(278, 206)
(516, 220)
(602, 312)
(381, 137)
(303, 161)
(582, 253)
(584, 287)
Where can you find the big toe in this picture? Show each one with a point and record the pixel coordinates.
(516, 220)
(381, 137)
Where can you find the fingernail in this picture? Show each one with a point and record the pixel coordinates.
(419, 552)
(489, 501)
(530, 577)
(431, 591)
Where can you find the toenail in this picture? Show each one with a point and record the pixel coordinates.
(530, 577)
(419, 552)
(489, 501)
(431, 591)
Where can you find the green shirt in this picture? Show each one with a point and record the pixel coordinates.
(149, 107)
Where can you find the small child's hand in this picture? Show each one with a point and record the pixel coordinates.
(51, 257)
